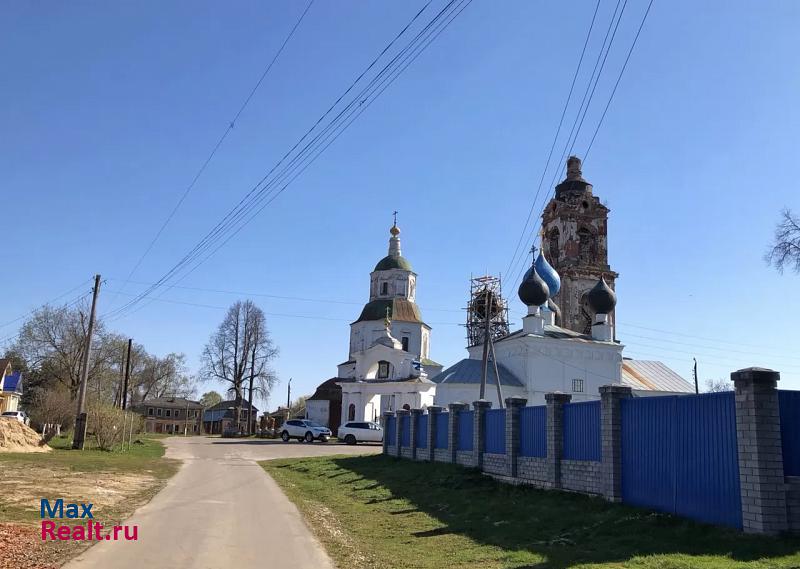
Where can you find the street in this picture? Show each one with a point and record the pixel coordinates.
(220, 509)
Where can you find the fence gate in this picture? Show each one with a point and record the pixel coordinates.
(679, 456)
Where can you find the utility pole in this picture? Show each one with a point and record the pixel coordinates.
(288, 399)
(127, 375)
(486, 337)
(694, 372)
(79, 436)
(496, 375)
(250, 394)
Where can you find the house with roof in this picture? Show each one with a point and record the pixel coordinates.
(10, 387)
(325, 405)
(221, 417)
(174, 415)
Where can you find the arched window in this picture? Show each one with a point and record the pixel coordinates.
(384, 288)
(404, 341)
(351, 412)
(553, 244)
(383, 370)
(407, 407)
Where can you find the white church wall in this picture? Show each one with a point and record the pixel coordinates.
(319, 411)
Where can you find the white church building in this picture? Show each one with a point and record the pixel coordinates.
(388, 364)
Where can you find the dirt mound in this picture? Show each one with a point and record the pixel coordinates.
(16, 437)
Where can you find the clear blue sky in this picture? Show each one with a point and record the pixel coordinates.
(108, 110)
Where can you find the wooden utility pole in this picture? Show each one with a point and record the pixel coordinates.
(127, 376)
(252, 377)
(496, 375)
(289, 399)
(79, 436)
(694, 373)
(486, 337)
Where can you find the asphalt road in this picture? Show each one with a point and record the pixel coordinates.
(220, 510)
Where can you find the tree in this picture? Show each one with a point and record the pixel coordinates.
(240, 350)
(785, 250)
(718, 385)
(210, 398)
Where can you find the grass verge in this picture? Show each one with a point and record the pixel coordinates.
(379, 512)
(115, 482)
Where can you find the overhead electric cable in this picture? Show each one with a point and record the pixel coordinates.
(216, 147)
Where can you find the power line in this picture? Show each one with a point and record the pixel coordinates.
(68, 304)
(555, 138)
(51, 301)
(216, 147)
(726, 350)
(586, 100)
(258, 194)
(619, 78)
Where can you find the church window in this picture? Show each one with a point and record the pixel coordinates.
(351, 412)
(553, 242)
(384, 288)
(404, 340)
(383, 370)
(577, 385)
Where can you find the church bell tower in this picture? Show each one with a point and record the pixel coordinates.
(575, 239)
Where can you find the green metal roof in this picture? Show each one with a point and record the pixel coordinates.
(399, 309)
(390, 262)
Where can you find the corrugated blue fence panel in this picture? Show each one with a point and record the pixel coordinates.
(533, 431)
(789, 402)
(679, 456)
(391, 434)
(442, 425)
(582, 431)
(405, 431)
(495, 433)
(422, 431)
(465, 426)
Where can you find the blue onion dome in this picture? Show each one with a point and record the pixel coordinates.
(548, 273)
(601, 298)
(533, 291)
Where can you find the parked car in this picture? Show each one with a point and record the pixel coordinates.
(20, 416)
(354, 432)
(305, 430)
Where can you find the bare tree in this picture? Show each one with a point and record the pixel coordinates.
(51, 342)
(717, 385)
(785, 250)
(241, 350)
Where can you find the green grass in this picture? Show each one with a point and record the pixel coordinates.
(383, 513)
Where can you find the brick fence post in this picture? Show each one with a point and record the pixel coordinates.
(758, 434)
(452, 429)
(386, 415)
(433, 413)
(415, 413)
(399, 414)
(513, 407)
(611, 397)
(478, 428)
(555, 435)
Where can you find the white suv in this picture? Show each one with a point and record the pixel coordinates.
(304, 430)
(354, 432)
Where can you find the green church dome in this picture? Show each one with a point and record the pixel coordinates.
(393, 262)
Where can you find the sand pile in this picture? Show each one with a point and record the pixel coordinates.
(16, 437)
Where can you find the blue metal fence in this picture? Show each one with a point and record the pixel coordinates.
(582, 431)
(442, 425)
(679, 456)
(465, 426)
(494, 440)
(789, 402)
(389, 431)
(405, 431)
(533, 431)
(422, 431)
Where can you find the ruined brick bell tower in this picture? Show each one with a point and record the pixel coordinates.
(575, 240)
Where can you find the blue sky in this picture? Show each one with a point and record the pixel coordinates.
(109, 109)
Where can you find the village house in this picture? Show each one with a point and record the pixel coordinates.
(221, 418)
(174, 415)
(10, 387)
